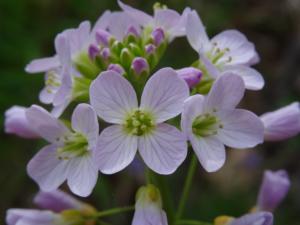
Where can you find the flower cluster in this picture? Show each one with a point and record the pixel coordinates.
(125, 106)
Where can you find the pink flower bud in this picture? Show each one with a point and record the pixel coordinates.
(102, 37)
(191, 76)
(17, 123)
(132, 30)
(150, 48)
(105, 53)
(158, 36)
(117, 68)
(273, 190)
(282, 123)
(93, 51)
(139, 65)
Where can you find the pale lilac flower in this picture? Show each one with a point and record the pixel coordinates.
(148, 207)
(229, 51)
(32, 217)
(283, 123)
(69, 156)
(162, 146)
(58, 201)
(212, 121)
(17, 123)
(260, 218)
(191, 75)
(140, 65)
(172, 23)
(273, 190)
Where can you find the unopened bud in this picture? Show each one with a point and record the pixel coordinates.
(93, 51)
(133, 31)
(150, 48)
(140, 65)
(117, 68)
(105, 53)
(126, 57)
(190, 75)
(158, 36)
(102, 37)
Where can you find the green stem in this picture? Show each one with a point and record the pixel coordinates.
(187, 187)
(191, 222)
(113, 211)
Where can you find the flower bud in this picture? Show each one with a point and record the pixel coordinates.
(133, 31)
(93, 51)
(126, 58)
(102, 37)
(16, 123)
(158, 36)
(273, 190)
(140, 65)
(117, 68)
(282, 123)
(105, 53)
(190, 75)
(150, 49)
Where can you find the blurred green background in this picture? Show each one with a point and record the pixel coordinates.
(27, 31)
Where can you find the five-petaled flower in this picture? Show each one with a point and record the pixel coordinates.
(162, 146)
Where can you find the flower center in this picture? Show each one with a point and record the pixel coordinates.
(206, 125)
(75, 145)
(139, 123)
(217, 55)
(53, 81)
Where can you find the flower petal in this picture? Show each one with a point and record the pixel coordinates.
(252, 78)
(226, 93)
(241, 128)
(29, 217)
(115, 150)
(196, 33)
(193, 107)
(283, 123)
(148, 215)
(260, 218)
(241, 51)
(164, 95)
(166, 19)
(210, 152)
(180, 28)
(46, 169)
(56, 201)
(42, 65)
(138, 15)
(84, 120)
(101, 24)
(164, 149)
(112, 97)
(62, 48)
(78, 38)
(82, 175)
(44, 124)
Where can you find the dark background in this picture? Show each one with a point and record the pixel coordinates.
(27, 31)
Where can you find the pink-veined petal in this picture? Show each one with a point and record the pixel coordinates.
(164, 95)
(164, 149)
(112, 97)
(84, 120)
(82, 175)
(252, 78)
(240, 50)
(115, 149)
(44, 124)
(180, 28)
(241, 128)
(193, 107)
(42, 65)
(210, 152)
(46, 169)
(226, 93)
(196, 33)
(138, 15)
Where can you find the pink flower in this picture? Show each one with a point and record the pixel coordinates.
(227, 52)
(212, 121)
(139, 127)
(69, 155)
(17, 123)
(283, 123)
